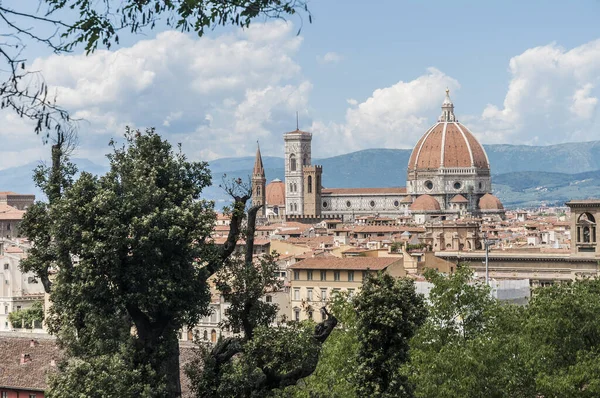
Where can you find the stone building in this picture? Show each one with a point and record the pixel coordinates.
(16, 200)
(448, 177)
(314, 280)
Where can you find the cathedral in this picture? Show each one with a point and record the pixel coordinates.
(448, 177)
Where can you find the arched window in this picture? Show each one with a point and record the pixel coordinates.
(258, 190)
(190, 335)
(309, 188)
(293, 162)
(206, 335)
(291, 187)
(295, 206)
(213, 336)
(295, 187)
(586, 228)
(304, 161)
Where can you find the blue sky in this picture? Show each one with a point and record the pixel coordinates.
(362, 75)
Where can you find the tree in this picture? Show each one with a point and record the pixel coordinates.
(470, 346)
(265, 356)
(334, 375)
(132, 254)
(99, 23)
(27, 318)
(389, 312)
(459, 307)
(561, 339)
(125, 248)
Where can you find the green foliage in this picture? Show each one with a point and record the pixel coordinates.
(96, 23)
(389, 312)
(95, 378)
(242, 283)
(136, 235)
(473, 347)
(27, 318)
(563, 336)
(334, 374)
(458, 307)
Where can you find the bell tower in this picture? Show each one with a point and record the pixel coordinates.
(297, 156)
(259, 183)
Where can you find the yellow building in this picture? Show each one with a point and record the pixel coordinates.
(314, 280)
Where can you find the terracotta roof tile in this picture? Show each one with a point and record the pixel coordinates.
(32, 374)
(425, 203)
(275, 193)
(460, 148)
(349, 263)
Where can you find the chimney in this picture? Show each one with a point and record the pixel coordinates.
(33, 343)
(25, 358)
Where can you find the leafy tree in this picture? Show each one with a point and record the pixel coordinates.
(459, 307)
(27, 318)
(471, 346)
(389, 312)
(265, 357)
(562, 336)
(132, 254)
(124, 248)
(334, 375)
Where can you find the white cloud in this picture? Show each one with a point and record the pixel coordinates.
(214, 95)
(218, 95)
(329, 58)
(393, 117)
(552, 97)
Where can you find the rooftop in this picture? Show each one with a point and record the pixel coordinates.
(348, 263)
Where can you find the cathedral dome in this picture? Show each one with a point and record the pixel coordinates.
(275, 193)
(425, 203)
(490, 203)
(447, 144)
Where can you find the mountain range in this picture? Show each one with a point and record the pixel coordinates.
(522, 175)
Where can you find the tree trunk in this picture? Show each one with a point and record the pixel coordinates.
(160, 347)
(55, 183)
(170, 365)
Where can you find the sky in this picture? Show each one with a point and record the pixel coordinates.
(361, 75)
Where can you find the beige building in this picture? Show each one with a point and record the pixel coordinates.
(10, 218)
(544, 265)
(18, 290)
(17, 200)
(314, 280)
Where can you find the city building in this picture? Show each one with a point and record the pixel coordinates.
(18, 290)
(314, 280)
(448, 177)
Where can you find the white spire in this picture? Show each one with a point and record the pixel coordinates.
(447, 109)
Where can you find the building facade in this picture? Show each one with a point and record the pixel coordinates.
(448, 177)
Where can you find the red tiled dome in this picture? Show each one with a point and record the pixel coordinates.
(459, 199)
(425, 203)
(490, 202)
(447, 143)
(275, 193)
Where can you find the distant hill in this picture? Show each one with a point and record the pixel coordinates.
(19, 179)
(522, 175)
(529, 188)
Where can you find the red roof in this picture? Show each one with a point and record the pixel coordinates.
(348, 263)
(425, 203)
(448, 144)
